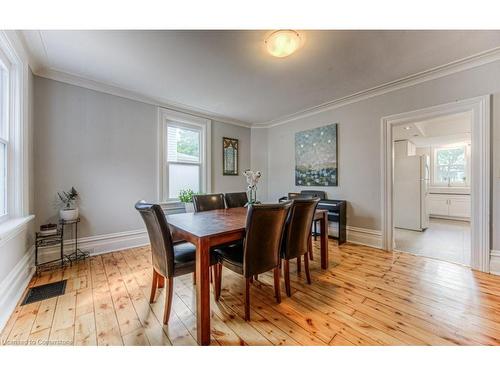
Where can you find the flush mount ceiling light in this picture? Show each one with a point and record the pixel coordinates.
(282, 43)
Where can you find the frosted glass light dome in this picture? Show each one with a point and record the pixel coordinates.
(283, 43)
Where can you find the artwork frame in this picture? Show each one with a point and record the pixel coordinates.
(316, 156)
(230, 156)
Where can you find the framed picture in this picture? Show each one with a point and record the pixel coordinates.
(229, 156)
(316, 157)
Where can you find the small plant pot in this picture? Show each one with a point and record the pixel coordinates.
(68, 214)
(189, 206)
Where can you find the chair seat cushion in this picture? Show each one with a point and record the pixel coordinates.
(231, 256)
(185, 258)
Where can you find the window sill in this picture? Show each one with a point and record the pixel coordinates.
(12, 227)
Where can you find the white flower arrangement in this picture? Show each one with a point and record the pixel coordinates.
(252, 181)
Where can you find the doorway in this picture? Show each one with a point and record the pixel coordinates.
(466, 216)
(431, 187)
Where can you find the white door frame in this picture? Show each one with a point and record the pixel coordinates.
(480, 172)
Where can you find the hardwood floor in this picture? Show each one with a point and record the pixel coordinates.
(371, 297)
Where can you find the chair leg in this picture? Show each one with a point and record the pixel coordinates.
(153, 286)
(218, 280)
(277, 286)
(161, 282)
(299, 263)
(306, 268)
(315, 230)
(286, 270)
(310, 249)
(247, 298)
(256, 277)
(168, 299)
(194, 277)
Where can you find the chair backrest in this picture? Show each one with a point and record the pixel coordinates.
(207, 202)
(264, 232)
(300, 196)
(162, 250)
(314, 193)
(236, 199)
(298, 227)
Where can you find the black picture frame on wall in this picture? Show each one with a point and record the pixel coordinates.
(230, 156)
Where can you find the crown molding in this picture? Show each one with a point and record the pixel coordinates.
(90, 84)
(457, 66)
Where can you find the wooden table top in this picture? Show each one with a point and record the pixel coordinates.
(210, 223)
(214, 222)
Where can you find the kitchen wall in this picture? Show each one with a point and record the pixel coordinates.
(359, 140)
(106, 147)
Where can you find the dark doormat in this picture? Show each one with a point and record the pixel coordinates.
(39, 293)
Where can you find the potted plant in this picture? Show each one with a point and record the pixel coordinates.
(186, 197)
(69, 211)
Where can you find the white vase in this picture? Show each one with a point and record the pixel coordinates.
(189, 206)
(69, 214)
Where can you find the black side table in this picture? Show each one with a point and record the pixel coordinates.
(77, 254)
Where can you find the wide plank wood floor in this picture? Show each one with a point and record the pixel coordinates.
(370, 297)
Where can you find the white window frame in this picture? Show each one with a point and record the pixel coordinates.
(17, 202)
(5, 114)
(434, 166)
(187, 121)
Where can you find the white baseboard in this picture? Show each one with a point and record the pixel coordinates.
(360, 236)
(101, 244)
(14, 285)
(495, 262)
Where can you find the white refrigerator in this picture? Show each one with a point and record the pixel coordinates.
(411, 186)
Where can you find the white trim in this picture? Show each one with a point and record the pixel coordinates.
(18, 168)
(360, 236)
(165, 115)
(480, 167)
(457, 66)
(80, 81)
(495, 262)
(12, 227)
(13, 286)
(100, 244)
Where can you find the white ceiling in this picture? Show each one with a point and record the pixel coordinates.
(436, 131)
(229, 73)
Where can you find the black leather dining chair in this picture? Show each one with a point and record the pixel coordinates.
(169, 259)
(297, 237)
(207, 202)
(236, 199)
(259, 252)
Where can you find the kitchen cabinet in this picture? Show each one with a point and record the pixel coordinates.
(449, 205)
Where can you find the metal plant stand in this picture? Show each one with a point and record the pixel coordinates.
(77, 254)
(46, 241)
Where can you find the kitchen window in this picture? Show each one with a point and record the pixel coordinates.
(185, 155)
(451, 166)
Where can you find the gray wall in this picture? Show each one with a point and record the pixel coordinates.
(105, 146)
(359, 146)
(259, 162)
(226, 184)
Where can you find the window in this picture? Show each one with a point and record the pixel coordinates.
(4, 132)
(183, 159)
(450, 166)
(185, 155)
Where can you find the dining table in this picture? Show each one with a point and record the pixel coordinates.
(209, 229)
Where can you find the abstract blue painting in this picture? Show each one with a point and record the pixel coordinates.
(316, 157)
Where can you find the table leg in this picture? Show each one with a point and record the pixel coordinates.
(203, 291)
(324, 240)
